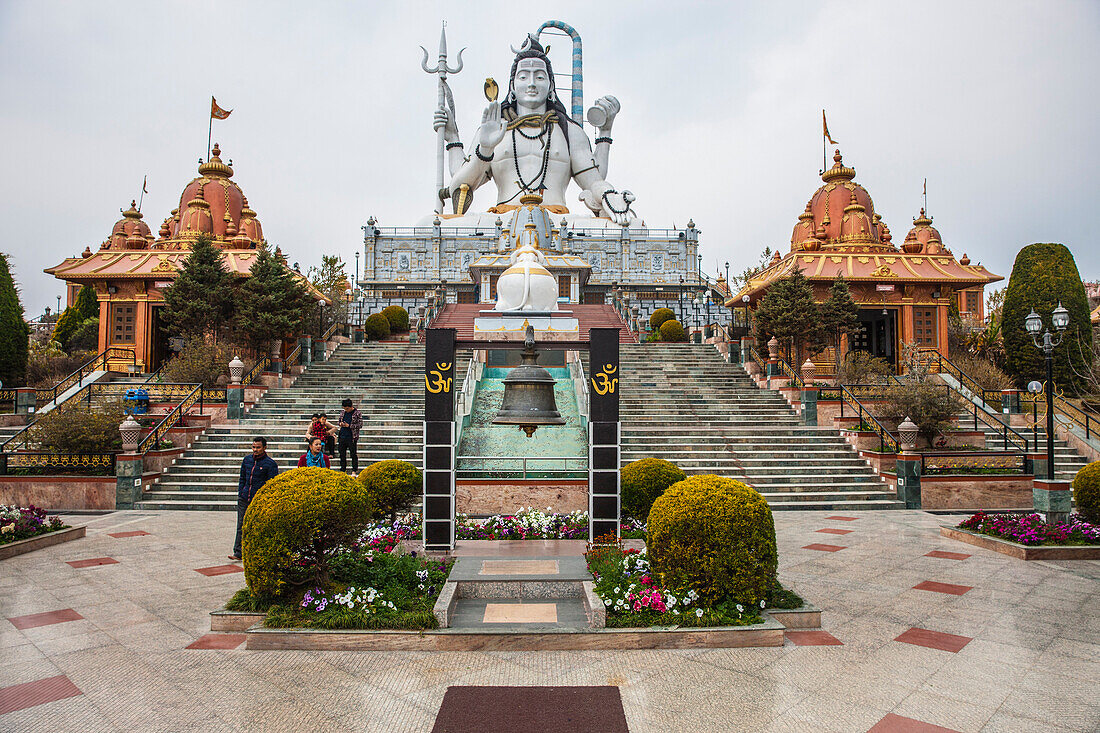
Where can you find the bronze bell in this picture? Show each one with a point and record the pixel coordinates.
(529, 393)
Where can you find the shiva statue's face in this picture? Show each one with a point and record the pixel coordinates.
(532, 82)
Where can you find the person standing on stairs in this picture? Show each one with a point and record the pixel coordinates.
(256, 469)
(351, 421)
(315, 455)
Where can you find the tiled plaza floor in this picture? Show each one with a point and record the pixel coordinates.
(919, 628)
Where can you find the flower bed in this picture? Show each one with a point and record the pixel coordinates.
(20, 523)
(1031, 529)
(373, 587)
(633, 597)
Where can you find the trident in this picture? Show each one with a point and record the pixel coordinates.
(442, 70)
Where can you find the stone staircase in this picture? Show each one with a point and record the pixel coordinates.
(684, 403)
(384, 380)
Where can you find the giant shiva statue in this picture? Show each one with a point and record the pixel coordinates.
(528, 143)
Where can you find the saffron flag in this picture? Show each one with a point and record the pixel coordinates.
(216, 112)
(144, 180)
(825, 130)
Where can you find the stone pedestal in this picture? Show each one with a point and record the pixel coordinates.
(1036, 464)
(512, 326)
(128, 470)
(25, 400)
(358, 336)
(234, 401)
(306, 344)
(908, 468)
(318, 350)
(1010, 401)
(809, 405)
(1052, 498)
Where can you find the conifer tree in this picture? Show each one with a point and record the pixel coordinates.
(201, 300)
(75, 318)
(1043, 275)
(13, 330)
(331, 279)
(273, 303)
(788, 312)
(839, 315)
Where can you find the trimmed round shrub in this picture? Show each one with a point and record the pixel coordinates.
(714, 535)
(391, 486)
(296, 523)
(672, 331)
(659, 316)
(643, 481)
(377, 326)
(1043, 275)
(398, 318)
(1086, 492)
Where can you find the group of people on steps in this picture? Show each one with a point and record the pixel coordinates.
(322, 438)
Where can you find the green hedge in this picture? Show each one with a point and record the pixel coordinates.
(377, 326)
(716, 536)
(659, 316)
(1086, 492)
(391, 486)
(645, 480)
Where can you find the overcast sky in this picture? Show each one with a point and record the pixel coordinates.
(995, 103)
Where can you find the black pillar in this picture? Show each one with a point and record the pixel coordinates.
(603, 436)
(439, 439)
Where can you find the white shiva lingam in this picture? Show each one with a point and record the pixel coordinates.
(527, 292)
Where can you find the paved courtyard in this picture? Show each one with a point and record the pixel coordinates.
(107, 633)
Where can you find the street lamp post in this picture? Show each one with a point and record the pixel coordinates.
(727, 274)
(356, 268)
(320, 318)
(1034, 324)
(680, 301)
(745, 300)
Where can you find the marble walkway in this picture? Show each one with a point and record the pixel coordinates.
(919, 634)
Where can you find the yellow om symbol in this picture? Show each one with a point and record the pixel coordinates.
(606, 383)
(441, 383)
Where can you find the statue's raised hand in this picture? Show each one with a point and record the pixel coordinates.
(616, 206)
(443, 119)
(492, 129)
(609, 106)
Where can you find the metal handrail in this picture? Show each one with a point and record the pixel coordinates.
(943, 364)
(1071, 412)
(787, 369)
(756, 356)
(293, 357)
(100, 359)
(174, 416)
(885, 438)
(331, 330)
(254, 373)
(163, 391)
(524, 460)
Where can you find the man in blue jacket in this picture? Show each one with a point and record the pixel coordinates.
(256, 470)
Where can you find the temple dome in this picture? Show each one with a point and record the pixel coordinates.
(214, 205)
(840, 214)
(129, 232)
(923, 238)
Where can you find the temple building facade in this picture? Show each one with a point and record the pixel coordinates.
(406, 265)
(132, 267)
(904, 293)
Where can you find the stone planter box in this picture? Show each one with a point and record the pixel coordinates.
(768, 633)
(20, 547)
(1022, 552)
(59, 493)
(807, 617)
(237, 621)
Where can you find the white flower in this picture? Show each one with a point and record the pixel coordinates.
(762, 603)
(740, 608)
(607, 601)
(676, 611)
(698, 613)
(617, 589)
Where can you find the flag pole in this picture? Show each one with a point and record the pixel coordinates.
(141, 198)
(209, 133)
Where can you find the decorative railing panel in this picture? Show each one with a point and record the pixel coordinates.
(94, 463)
(254, 373)
(972, 462)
